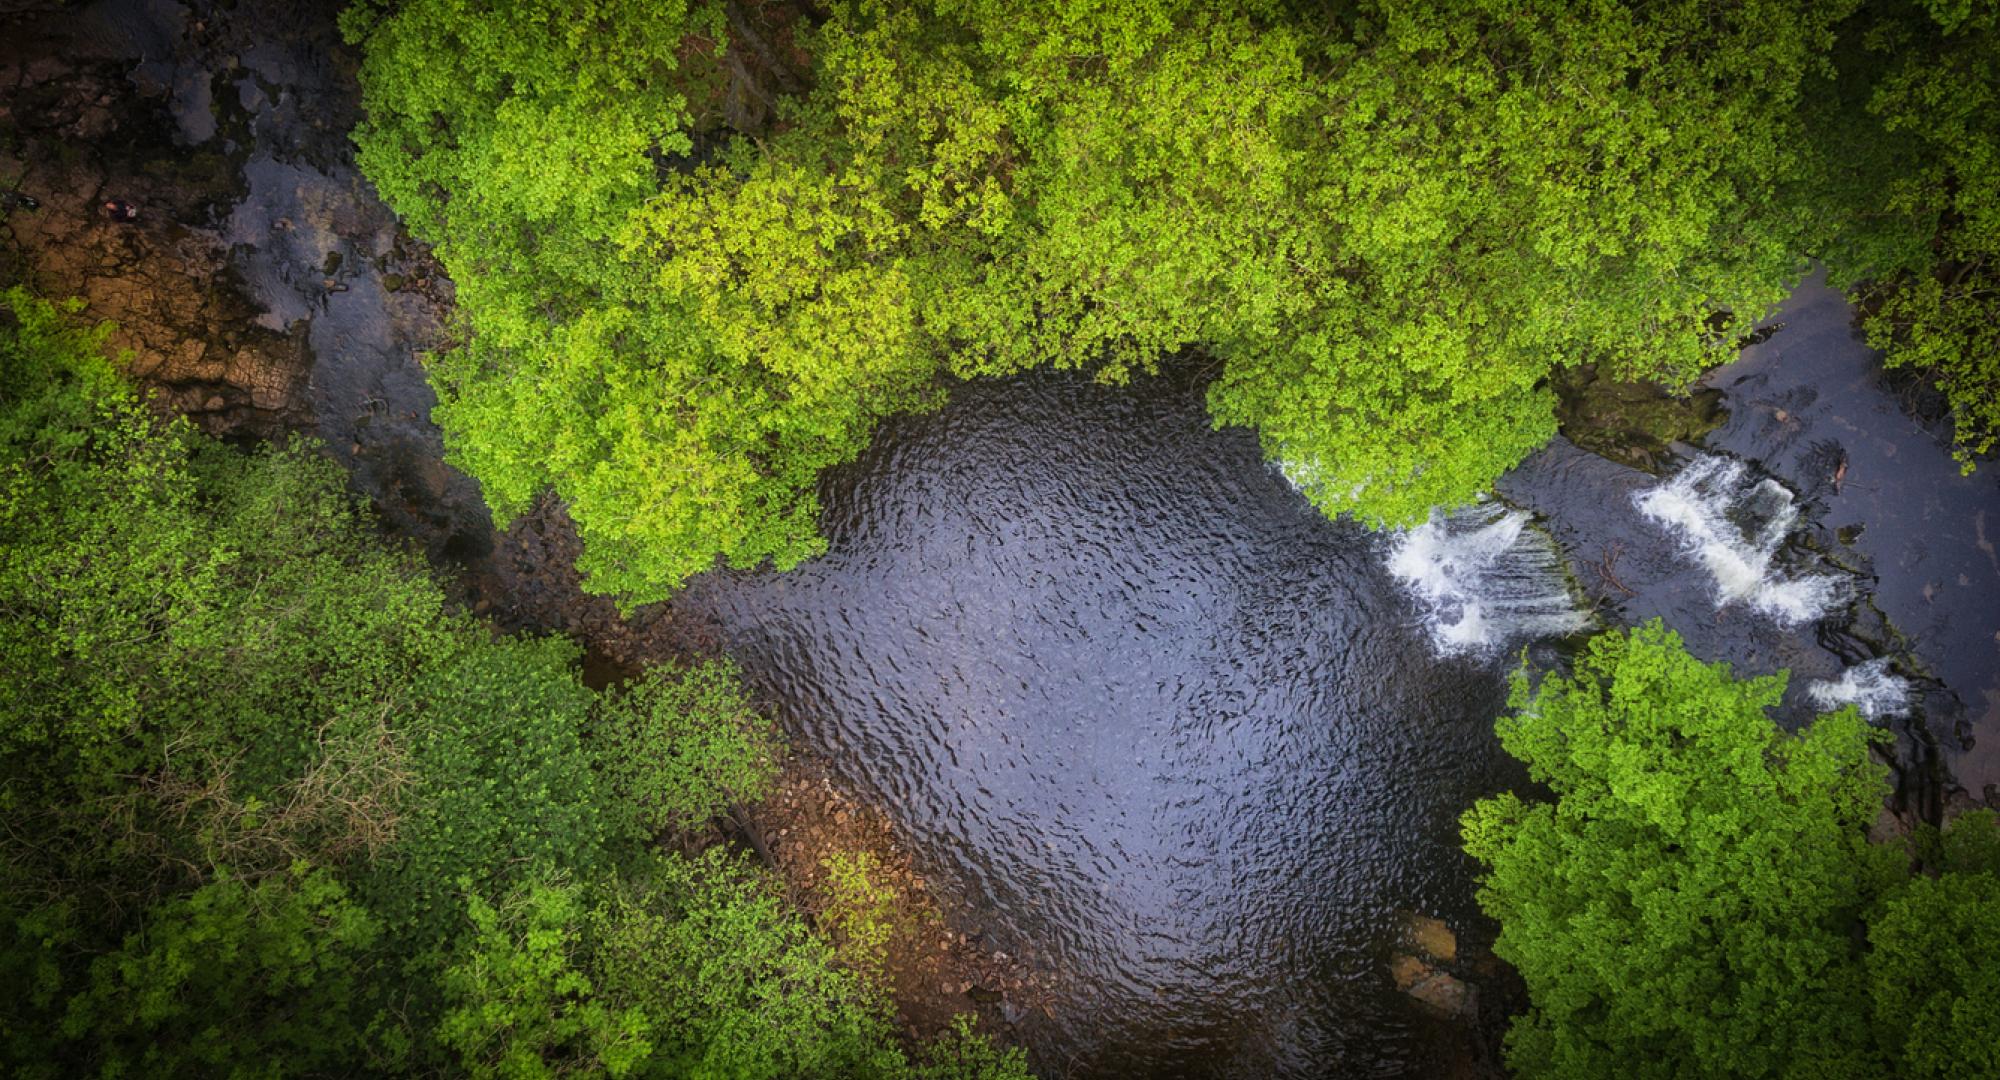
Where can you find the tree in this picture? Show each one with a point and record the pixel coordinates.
(737, 986)
(1910, 173)
(233, 979)
(675, 745)
(1388, 229)
(678, 360)
(522, 1005)
(1692, 901)
(1934, 958)
(268, 807)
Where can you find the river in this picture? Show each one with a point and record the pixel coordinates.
(1189, 747)
(1180, 740)
(1176, 740)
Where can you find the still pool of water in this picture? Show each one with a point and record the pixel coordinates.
(1182, 742)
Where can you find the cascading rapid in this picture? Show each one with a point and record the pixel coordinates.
(1734, 523)
(1870, 687)
(1484, 576)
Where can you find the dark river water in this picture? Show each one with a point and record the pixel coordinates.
(1183, 742)
(1188, 747)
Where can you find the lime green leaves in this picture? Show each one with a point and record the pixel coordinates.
(1689, 903)
(1389, 227)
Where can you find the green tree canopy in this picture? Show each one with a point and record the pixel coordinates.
(1388, 227)
(268, 807)
(1693, 902)
(1910, 176)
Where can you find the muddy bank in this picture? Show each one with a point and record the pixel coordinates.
(263, 290)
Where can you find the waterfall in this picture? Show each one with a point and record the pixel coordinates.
(1869, 687)
(1734, 523)
(1484, 577)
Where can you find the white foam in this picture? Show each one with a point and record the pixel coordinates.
(1308, 477)
(1734, 524)
(1484, 578)
(1869, 687)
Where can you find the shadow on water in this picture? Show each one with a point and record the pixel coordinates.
(1181, 741)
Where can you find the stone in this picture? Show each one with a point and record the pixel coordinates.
(1889, 828)
(1447, 996)
(268, 397)
(1439, 992)
(1632, 423)
(144, 362)
(1430, 936)
(1407, 971)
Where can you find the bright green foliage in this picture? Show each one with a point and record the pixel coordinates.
(522, 1007)
(1934, 958)
(673, 746)
(232, 979)
(1691, 902)
(1389, 228)
(536, 122)
(860, 910)
(1915, 172)
(268, 808)
(1683, 906)
(962, 1054)
(738, 988)
(682, 968)
(680, 372)
(1509, 190)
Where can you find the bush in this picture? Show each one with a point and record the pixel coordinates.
(232, 979)
(860, 911)
(738, 988)
(677, 745)
(522, 1004)
(1385, 234)
(1911, 176)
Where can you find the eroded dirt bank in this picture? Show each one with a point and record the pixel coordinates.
(264, 291)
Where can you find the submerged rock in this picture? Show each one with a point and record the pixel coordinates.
(1632, 423)
(1438, 991)
(1418, 973)
(1430, 936)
